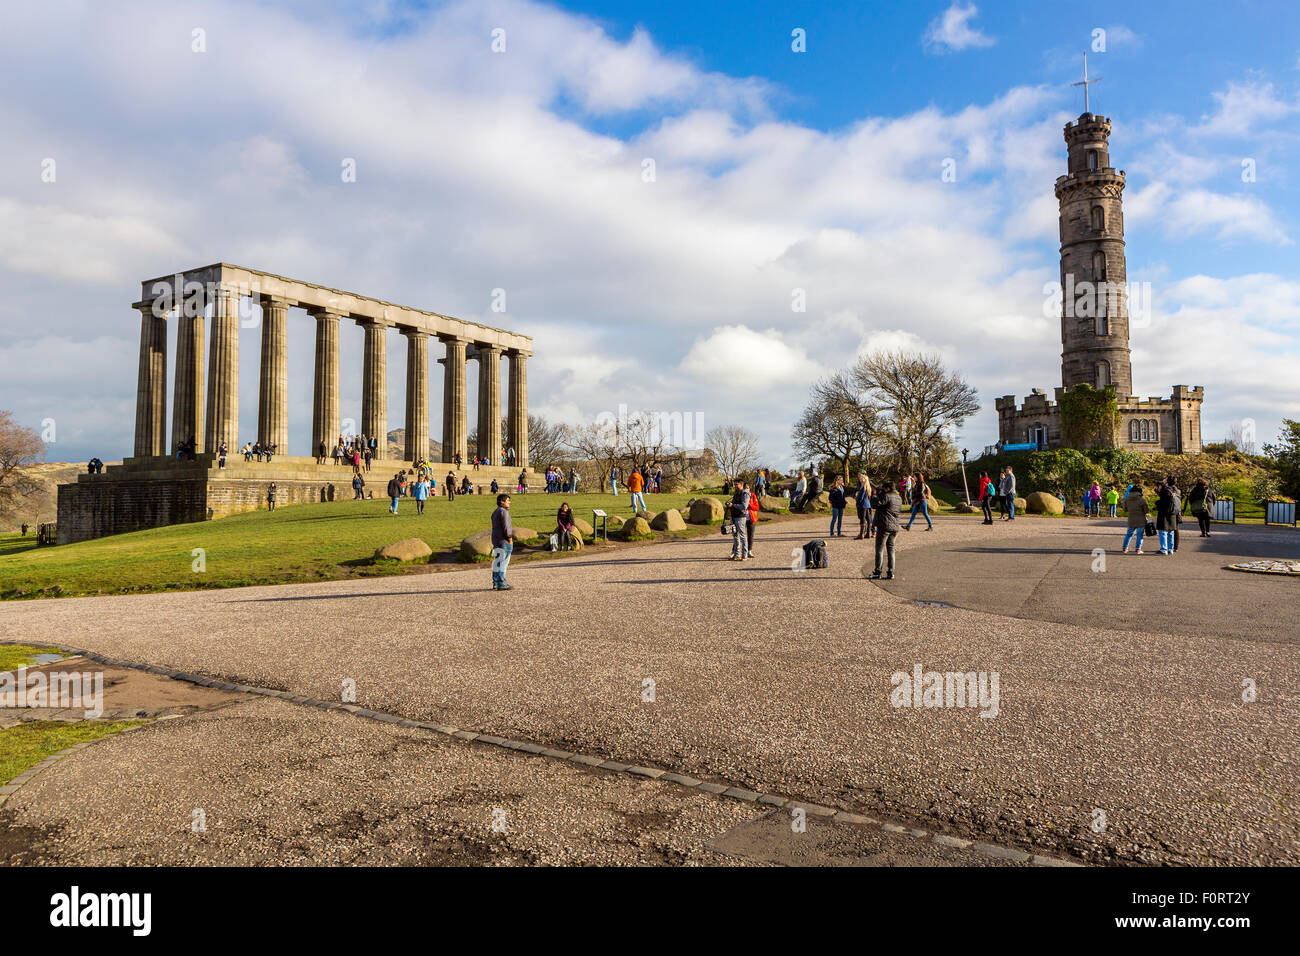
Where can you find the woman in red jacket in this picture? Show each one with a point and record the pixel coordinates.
(753, 520)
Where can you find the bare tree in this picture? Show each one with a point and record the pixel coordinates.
(920, 401)
(836, 423)
(600, 442)
(20, 446)
(735, 448)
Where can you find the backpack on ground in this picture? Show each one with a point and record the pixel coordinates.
(814, 555)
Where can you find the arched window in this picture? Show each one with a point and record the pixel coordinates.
(1155, 429)
(1134, 431)
(1146, 431)
(1102, 311)
(1099, 266)
(1098, 218)
(1092, 159)
(1101, 372)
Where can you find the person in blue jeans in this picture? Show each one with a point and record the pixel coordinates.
(838, 502)
(503, 543)
(1136, 506)
(1008, 489)
(920, 502)
(394, 492)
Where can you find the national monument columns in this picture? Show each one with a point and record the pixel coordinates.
(205, 407)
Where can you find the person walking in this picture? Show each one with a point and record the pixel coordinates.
(839, 500)
(1201, 502)
(394, 492)
(920, 502)
(613, 480)
(862, 500)
(1138, 515)
(1169, 506)
(421, 494)
(888, 517)
(270, 497)
(503, 543)
(739, 513)
(450, 485)
(635, 485)
(1112, 500)
(1008, 490)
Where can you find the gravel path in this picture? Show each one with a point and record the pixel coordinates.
(780, 681)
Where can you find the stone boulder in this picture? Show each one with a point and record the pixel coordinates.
(670, 520)
(584, 527)
(964, 509)
(408, 549)
(476, 545)
(821, 503)
(636, 527)
(523, 534)
(1021, 506)
(705, 511)
(1042, 503)
(773, 504)
(614, 522)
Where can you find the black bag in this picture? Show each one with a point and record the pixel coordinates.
(814, 555)
(1150, 531)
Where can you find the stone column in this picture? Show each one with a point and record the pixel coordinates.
(518, 418)
(325, 391)
(489, 401)
(374, 386)
(417, 394)
(223, 374)
(273, 385)
(151, 387)
(187, 401)
(453, 398)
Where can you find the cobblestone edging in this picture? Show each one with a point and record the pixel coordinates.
(1008, 854)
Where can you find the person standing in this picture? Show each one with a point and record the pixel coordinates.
(270, 497)
(358, 483)
(1201, 501)
(1136, 507)
(862, 500)
(739, 514)
(753, 520)
(635, 484)
(987, 489)
(888, 517)
(613, 480)
(1094, 500)
(450, 484)
(1169, 503)
(503, 543)
(394, 492)
(1112, 500)
(421, 494)
(839, 500)
(1008, 490)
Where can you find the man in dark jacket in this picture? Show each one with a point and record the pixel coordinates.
(503, 543)
(888, 512)
(394, 492)
(1169, 506)
(358, 486)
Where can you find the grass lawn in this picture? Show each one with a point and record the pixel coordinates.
(14, 656)
(26, 745)
(299, 543)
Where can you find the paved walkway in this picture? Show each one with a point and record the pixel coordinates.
(780, 681)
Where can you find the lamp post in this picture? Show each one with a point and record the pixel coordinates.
(964, 485)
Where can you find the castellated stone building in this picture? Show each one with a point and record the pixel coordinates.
(1095, 314)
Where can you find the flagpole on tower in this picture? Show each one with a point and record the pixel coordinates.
(1085, 83)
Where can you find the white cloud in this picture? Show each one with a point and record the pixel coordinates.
(1242, 107)
(951, 31)
(740, 357)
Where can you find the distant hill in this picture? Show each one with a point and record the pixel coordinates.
(397, 446)
(43, 505)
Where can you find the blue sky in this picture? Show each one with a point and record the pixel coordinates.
(776, 171)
